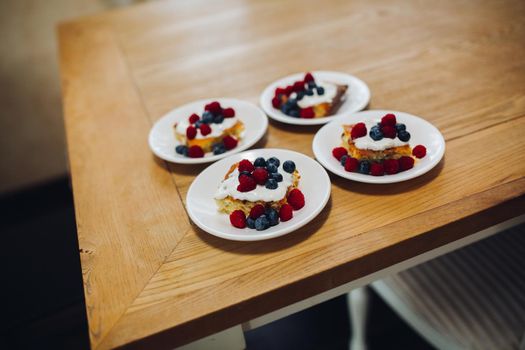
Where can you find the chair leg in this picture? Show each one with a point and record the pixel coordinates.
(358, 309)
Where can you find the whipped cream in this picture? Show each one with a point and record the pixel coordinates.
(216, 129)
(366, 142)
(228, 187)
(330, 90)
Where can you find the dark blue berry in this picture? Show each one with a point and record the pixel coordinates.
(219, 149)
(272, 168)
(285, 108)
(300, 95)
(207, 117)
(343, 160)
(276, 176)
(250, 222)
(292, 102)
(400, 127)
(375, 133)
(294, 113)
(245, 173)
(311, 84)
(181, 149)
(262, 223)
(259, 162)
(289, 166)
(271, 184)
(273, 216)
(403, 135)
(198, 124)
(273, 160)
(320, 90)
(364, 167)
(309, 92)
(218, 119)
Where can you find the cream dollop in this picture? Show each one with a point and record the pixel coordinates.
(216, 129)
(366, 142)
(330, 90)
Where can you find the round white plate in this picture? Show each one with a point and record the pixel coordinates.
(162, 138)
(202, 208)
(357, 97)
(421, 131)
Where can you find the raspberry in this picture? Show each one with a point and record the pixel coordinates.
(308, 77)
(419, 151)
(214, 107)
(389, 119)
(229, 142)
(307, 112)
(205, 129)
(288, 90)
(246, 183)
(389, 131)
(286, 212)
(193, 118)
(298, 86)
(228, 112)
(260, 175)
(195, 152)
(246, 165)
(338, 152)
(238, 219)
(391, 166)
(191, 132)
(279, 91)
(276, 103)
(296, 199)
(351, 164)
(257, 211)
(376, 169)
(406, 163)
(359, 130)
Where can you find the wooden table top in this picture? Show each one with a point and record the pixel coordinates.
(150, 276)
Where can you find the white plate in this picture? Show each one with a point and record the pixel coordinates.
(357, 97)
(421, 131)
(202, 209)
(162, 139)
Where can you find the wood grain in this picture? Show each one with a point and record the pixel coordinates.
(457, 64)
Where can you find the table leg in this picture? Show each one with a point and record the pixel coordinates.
(358, 309)
(231, 339)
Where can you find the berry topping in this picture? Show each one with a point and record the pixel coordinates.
(296, 199)
(343, 160)
(271, 184)
(375, 133)
(181, 149)
(351, 164)
(406, 163)
(294, 113)
(272, 168)
(419, 151)
(309, 92)
(308, 77)
(244, 173)
(338, 152)
(273, 216)
(262, 223)
(198, 124)
(214, 107)
(376, 169)
(207, 117)
(364, 167)
(289, 166)
(205, 129)
(359, 130)
(273, 160)
(260, 175)
(403, 135)
(299, 96)
(257, 211)
(298, 86)
(288, 90)
(250, 222)
(246, 165)
(307, 112)
(195, 152)
(229, 142)
(238, 219)
(193, 118)
(388, 119)
(391, 166)
(191, 132)
(218, 148)
(228, 112)
(311, 84)
(259, 162)
(246, 183)
(320, 90)
(279, 91)
(219, 118)
(389, 131)
(286, 212)
(276, 103)
(400, 127)
(276, 176)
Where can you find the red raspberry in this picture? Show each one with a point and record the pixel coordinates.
(288, 90)
(195, 152)
(389, 119)
(298, 86)
(419, 151)
(228, 112)
(246, 165)
(260, 175)
(308, 77)
(246, 183)
(376, 169)
(286, 212)
(391, 166)
(276, 103)
(351, 164)
(359, 130)
(238, 219)
(307, 112)
(388, 131)
(338, 152)
(296, 199)
(214, 107)
(257, 211)
(229, 142)
(279, 91)
(406, 163)
(191, 132)
(205, 129)
(193, 118)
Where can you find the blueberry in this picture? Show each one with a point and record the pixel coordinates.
(276, 176)
(364, 167)
(250, 222)
(400, 127)
(294, 113)
(272, 168)
(285, 108)
(403, 135)
(320, 90)
(273, 216)
(198, 124)
(343, 160)
(259, 162)
(219, 148)
(262, 223)
(181, 149)
(207, 117)
(244, 173)
(300, 95)
(289, 166)
(271, 184)
(273, 160)
(292, 102)
(218, 119)
(311, 84)
(375, 133)
(309, 92)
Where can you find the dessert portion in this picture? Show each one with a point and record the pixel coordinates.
(309, 98)
(259, 195)
(377, 147)
(217, 130)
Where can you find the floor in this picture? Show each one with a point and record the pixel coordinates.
(42, 281)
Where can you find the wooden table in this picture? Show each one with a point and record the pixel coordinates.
(151, 278)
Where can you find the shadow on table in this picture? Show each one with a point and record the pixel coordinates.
(295, 129)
